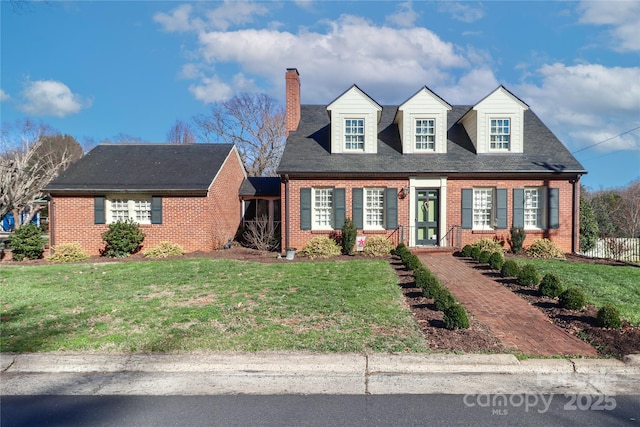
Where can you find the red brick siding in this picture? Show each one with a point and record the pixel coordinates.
(196, 223)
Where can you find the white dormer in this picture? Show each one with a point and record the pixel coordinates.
(354, 122)
(422, 123)
(496, 123)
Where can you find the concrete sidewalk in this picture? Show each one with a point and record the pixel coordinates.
(306, 373)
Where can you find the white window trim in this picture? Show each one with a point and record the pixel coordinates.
(540, 209)
(367, 208)
(492, 213)
(131, 200)
(315, 225)
(415, 134)
(510, 134)
(364, 134)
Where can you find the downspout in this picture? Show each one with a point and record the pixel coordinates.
(286, 211)
(51, 226)
(575, 234)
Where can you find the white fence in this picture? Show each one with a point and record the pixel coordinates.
(620, 249)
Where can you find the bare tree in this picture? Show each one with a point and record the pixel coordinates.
(629, 218)
(30, 157)
(255, 123)
(181, 133)
(123, 138)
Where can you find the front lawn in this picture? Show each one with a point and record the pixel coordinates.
(601, 284)
(206, 304)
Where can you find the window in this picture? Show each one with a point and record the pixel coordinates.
(500, 134)
(425, 134)
(323, 208)
(483, 208)
(532, 205)
(354, 134)
(374, 208)
(138, 210)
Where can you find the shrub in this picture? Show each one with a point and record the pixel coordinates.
(544, 248)
(517, 239)
(529, 276)
(421, 276)
(27, 242)
(466, 250)
(321, 247)
(164, 250)
(349, 235)
(68, 252)
(496, 260)
(260, 234)
(609, 316)
(475, 253)
(122, 239)
(487, 244)
(572, 299)
(455, 317)
(377, 246)
(400, 248)
(510, 268)
(412, 261)
(550, 285)
(443, 298)
(484, 257)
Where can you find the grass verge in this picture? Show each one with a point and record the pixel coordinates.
(204, 304)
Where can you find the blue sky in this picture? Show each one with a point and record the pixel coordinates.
(97, 69)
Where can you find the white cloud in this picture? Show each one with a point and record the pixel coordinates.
(179, 20)
(211, 89)
(228, 14)
(51, 98)
(4, 96)
(622, 16)
(465, 12)
(470, 88)
(588, 103)
(404, 17)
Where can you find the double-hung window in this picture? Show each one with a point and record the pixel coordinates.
(532, 208)
(137, 209)
(500, 134)
(354, 134)
(323, 208)
(483, 205)
(374, 208)
(425, 134)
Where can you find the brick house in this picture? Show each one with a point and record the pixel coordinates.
(425, 172)
(186, 194)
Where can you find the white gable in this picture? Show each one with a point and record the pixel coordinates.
(505, 112)
(354, 104)
(424, 105)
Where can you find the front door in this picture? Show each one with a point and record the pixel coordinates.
(427, 212)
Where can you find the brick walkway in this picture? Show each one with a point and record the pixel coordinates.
(512, 320)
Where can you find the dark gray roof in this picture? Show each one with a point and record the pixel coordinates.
(260, 186)
(308, 151)
(144, 167)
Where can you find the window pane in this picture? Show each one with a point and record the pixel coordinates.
(531, 206)
(425, 134)
(374, 207)
(499, 134)
(323, 207)
(482, 208)
(354, 134)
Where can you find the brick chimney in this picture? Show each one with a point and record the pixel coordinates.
(293, 99)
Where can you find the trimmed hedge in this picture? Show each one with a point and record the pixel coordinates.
(455, 317)
(550, 286)
(609, 317)
(529, 276)
(572, 299)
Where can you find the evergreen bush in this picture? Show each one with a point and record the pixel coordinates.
(517, 239)
(609, 317)
(321, 247)
(487, 244)
(68, 252)
(455, 317)
(122, 239)
(466, 251)
(443, 298)
(529, 276)
(572, 299)
(377, 246)
(164, 250)
(27, 242)
(544, 248)
(412, 262)
(349, 235)
(550, 285)
(496, 260)
(484, 257)
(475, 253)
(510, 268)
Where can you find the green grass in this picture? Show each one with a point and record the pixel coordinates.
(204, 304)
(601, 284)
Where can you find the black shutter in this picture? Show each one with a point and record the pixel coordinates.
(98, 210)
(305, 209)
(357, 208)
(391, 206)
(467, 208)
(501, 203)
(339, 208)
(518, 207)
(156, 210)
(554, 208)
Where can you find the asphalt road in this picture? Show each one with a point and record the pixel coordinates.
(321, 410)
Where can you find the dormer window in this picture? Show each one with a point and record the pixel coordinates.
(500, 134)
(425, 134)
(354, 134)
